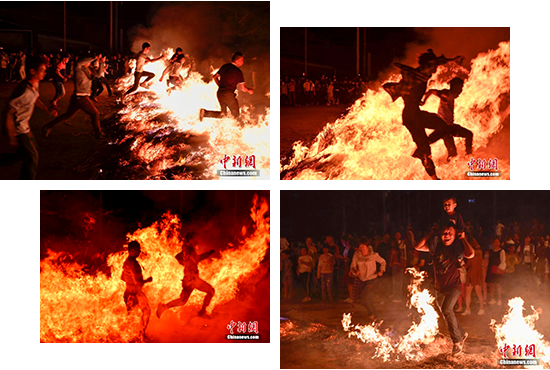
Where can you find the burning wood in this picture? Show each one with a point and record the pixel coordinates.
(370, 142)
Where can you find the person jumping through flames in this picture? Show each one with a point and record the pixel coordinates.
(174, 72)
(133, 277)
(412, 88)
(141, 60)
(446, 253)
(189, 259)
(228, 78)
(446, 111)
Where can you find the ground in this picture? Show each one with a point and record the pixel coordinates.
(305, 123)
(312, 335)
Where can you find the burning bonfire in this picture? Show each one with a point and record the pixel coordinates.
(389, 347)
(162, 131)
(516, 336)
(78, 307)
(370, 142)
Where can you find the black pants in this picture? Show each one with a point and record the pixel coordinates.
(459, 131)
(227, 99)
(97, 86)
(26, 153)
(76, 104)
(137, 77)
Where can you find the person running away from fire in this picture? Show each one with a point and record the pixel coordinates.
(446, 252)
(132, 275)
(189, 259)
(412, 88)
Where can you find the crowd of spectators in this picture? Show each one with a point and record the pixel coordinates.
(303, 91)
(515, 254)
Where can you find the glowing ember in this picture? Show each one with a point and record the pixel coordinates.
(370, 142)
(517, 330)
(166, 134)
(76, 307)
(408, 346)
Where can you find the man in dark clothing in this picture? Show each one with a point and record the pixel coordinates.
(228, 78)
(189, 259)
(133, 277)
(446, 253)
(412, 88)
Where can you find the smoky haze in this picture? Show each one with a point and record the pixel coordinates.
(453, 41)
(210, 32)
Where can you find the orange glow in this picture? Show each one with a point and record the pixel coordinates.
(163, 114)
(370, 142)
(76, 307)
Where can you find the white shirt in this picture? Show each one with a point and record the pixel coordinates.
(366, 265)
(24, 107)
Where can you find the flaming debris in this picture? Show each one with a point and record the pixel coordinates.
(167, 139)
(77, 307)
(518, 331)
(370, 142)
(408, 346)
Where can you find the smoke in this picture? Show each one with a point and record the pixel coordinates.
(210, 32)
(453, 41)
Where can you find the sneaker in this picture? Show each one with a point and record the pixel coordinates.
(458, 348)
(160, 309)
(481, 312)
(492, 302)
(201, 114)
(305, 299)
(458, 310)
(466, 312)
(348, 300)
(499, 303)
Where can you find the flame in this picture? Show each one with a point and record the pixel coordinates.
(76, 307)
(408, 346)
(370, 142)
(520, 330)
(160, 126)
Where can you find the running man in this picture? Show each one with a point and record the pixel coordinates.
(21, 105)
(446, 111)
(141, 60)
(412, 88)
(446, 252)
(228, 78)
(133, 277)
(189, 259)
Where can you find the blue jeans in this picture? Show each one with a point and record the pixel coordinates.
(447, 308)
(365, 295)
(59, 89)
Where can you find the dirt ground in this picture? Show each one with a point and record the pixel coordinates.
(305, 123)
(312, 335)
(66, 153)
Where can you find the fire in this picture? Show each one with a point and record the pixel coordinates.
(519, 330)
(370, 142)
(409, 346)
(166, 136)
(76, 307)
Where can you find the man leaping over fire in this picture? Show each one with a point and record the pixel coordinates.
(446, 252)
(189, 258)
(133, 277)
(412, 88)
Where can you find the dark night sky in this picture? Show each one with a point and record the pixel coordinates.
(89, 22)
(319, 213)
(336, 47)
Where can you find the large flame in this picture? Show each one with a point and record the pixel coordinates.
(370, 142)
(409, 346)
(153, 119)
(518, 330)
(76, 307)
